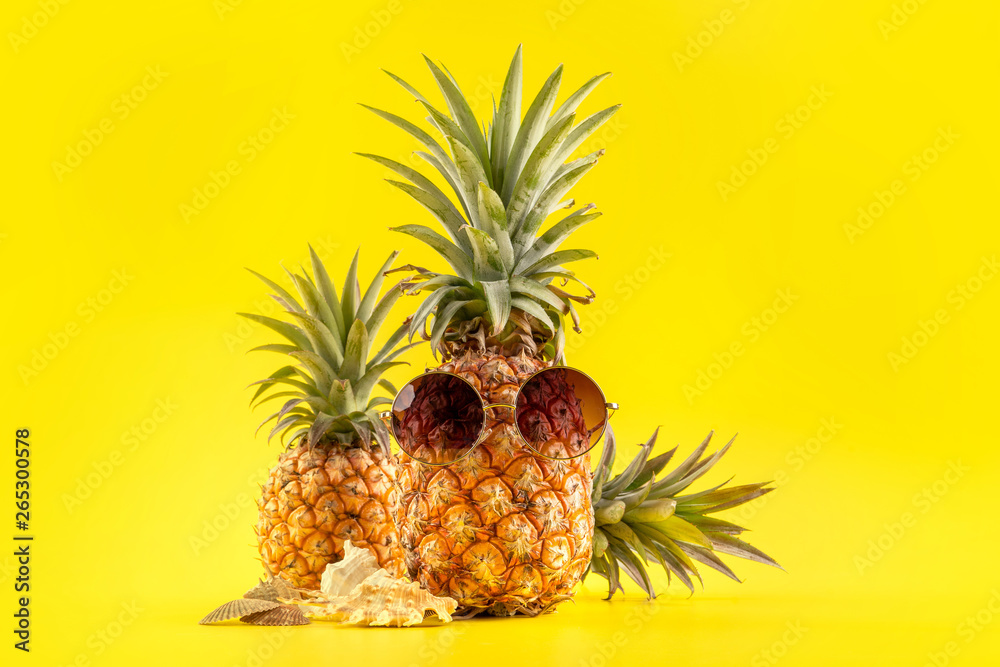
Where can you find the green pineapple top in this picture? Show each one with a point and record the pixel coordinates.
(641, 514)
(329, 390)
(506, 179)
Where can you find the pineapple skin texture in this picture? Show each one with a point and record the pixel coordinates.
(317, 497)
(504, 529)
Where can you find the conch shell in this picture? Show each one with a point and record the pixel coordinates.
(381, 599)
(343, 577)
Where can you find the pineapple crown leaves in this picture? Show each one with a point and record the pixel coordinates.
(642, 514)
(507, 178)
(328, 391)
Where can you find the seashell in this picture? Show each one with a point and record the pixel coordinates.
(238, 608)
(382, 599)
(274, 589)
(283, 615)
(343, 577)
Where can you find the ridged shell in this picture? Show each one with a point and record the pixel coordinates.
(238, 608)
(342, 578)
(273, 589)
(382, 599)
(283, 615)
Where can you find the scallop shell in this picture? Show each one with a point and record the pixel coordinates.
(343, 577)
(274, 589)
(283, 615)
(382, 599)
(238, 608)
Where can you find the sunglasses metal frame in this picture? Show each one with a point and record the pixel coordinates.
(609, 411)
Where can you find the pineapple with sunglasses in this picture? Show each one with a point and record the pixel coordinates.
(498, 512)
(501, 510)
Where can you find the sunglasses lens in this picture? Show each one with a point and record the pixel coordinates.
(561, 413)
(437, 418)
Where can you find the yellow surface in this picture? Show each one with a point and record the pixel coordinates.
(130, 300)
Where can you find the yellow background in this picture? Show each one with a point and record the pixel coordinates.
(170, 333)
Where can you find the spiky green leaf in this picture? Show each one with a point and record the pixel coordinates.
(506, 120)
(487, 260)
(535, 174)
(572, 102)
(355, 352)
(460, 110)
(325, 287)
(448, 250)
(289, 331)
(493, 221)
(531, 130)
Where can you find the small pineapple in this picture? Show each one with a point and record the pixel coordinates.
(642, 515)
(338, 481)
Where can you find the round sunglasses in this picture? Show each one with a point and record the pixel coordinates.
(438, 418)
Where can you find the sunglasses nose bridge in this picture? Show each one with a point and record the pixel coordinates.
(490, 406)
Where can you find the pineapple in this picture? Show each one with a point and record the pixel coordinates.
(640, 516)
(504, 529)
(338, 480)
